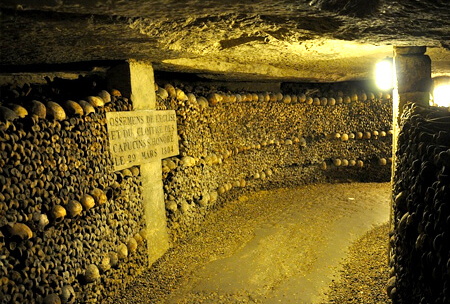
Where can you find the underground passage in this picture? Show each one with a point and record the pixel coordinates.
(225, 152)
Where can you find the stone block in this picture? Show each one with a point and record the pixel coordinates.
(421, 98)
(413, 73)
(155, 212)
(410, 50)
(135, 80)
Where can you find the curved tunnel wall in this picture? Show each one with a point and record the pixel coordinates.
(420, 240)
(232, 142)
(56, 245)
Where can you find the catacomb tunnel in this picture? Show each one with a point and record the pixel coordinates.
(225, 152)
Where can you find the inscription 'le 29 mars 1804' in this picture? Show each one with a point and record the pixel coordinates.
(138, 137)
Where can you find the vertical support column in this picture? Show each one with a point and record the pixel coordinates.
(136, 80)
(412, 82)
(412, 76)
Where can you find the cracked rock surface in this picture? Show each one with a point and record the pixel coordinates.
(321, 40)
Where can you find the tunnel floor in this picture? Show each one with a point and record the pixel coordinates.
(280, 246)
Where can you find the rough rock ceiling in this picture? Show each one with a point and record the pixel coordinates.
(319, 40)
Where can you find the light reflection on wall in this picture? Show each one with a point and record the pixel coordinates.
(441, 95)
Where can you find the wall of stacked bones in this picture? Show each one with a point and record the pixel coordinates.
(420, 242)
(233, 142)
(72, 229)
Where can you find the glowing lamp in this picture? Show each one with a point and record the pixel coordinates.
(384, 74)
(441, 95)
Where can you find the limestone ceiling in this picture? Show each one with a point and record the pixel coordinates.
(319, 40)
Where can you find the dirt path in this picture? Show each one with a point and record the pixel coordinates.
(281, 246)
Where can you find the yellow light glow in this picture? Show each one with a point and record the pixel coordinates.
(384, 74)
(442, 95)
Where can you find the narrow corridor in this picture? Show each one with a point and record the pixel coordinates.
(280, 246)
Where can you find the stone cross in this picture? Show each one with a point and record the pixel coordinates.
(135, 79)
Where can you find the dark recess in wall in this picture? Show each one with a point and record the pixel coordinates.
(60, 67)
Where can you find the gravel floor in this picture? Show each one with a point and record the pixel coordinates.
(365, 272)
(280, 246)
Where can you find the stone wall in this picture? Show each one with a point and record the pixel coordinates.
(420, 240)
(71, 228)
(235, 142)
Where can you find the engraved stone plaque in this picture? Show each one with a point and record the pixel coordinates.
(138, 137)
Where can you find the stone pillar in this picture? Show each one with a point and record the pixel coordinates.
(412, 77)
(135, 80)
(412, 82)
